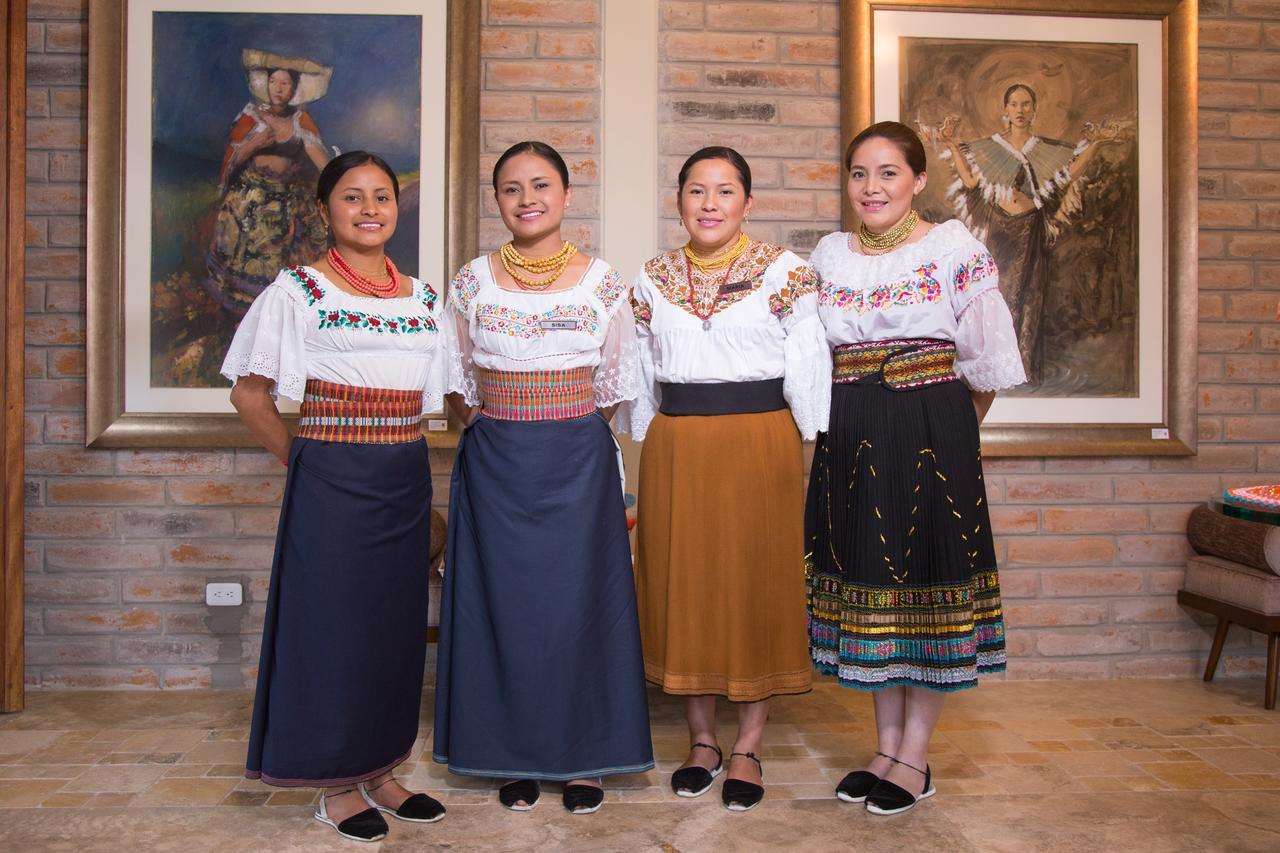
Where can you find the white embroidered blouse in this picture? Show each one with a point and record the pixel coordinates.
(303, 327)
(764, 325)
(944, 286)
(587, 325)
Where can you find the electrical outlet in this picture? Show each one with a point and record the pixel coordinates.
(223, 594)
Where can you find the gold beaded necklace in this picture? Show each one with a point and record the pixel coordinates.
(721, 260)
(890, 239)
(554, 264)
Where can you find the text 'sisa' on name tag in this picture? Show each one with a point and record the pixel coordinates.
(558, 325)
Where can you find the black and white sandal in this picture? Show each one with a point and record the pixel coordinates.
(696, 781)
(886, 798)
(367, 825)
(512, 793)
(583, 799)
(417, 808)
(740, 796)
(855, 786)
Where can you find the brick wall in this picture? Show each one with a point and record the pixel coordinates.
(120, 543)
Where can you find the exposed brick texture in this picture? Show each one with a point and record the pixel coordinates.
(121, 543)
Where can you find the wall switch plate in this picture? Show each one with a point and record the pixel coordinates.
(223, 594)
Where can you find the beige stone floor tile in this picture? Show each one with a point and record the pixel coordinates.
(1152, 756)
(64, 800)
(17, 744)
(1032, 779)
(245, 798)
(988, 741)
(185, 792)
(1259, 735)
(1260, 781)
(163, 740)
(293, 797)
(178, 771)
(1193, 776)
(141, 758)
(1241, 760)
(241, 734)
(43, 771)
(1050, 745)
(116, 779)
(1079, 764)
(215, 752)
(26, 793)
(1042, 728)
(232, 771)
(112, 800)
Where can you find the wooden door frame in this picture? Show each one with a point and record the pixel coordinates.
(13, 218)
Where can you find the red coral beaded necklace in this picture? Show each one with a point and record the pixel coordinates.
(363, 284)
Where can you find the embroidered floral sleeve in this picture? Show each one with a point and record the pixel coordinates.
(633, 417)
(806, 378)
(618, 374)
(972, 271)
(434, 388)
(460, 377)
(271, 339)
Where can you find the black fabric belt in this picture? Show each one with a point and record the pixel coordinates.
(722, 398)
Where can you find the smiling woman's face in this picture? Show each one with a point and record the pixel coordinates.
(713, 204)
(882, 186)
(362, 208)
(531, 197)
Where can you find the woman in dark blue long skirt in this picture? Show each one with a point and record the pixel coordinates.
(343, 647)
(540, 675)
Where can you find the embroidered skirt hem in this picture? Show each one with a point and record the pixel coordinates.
(702, 684)
(903, 588)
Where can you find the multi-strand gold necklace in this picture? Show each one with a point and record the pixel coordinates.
(890, 239)
(553, 264)
(719, 260)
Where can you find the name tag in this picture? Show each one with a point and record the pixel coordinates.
(558, 325)
(736, 286)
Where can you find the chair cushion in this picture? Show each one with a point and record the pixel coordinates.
(1233, 583)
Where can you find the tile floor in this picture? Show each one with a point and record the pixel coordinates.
(1117, 766)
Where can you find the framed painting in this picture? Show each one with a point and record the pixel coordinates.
(1063, 135)
(208, 125)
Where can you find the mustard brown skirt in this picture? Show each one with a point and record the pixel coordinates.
(720, 556)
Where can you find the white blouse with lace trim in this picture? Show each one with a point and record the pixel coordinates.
(587, 325)
(771, 331)
(944, 286)
(303, 327)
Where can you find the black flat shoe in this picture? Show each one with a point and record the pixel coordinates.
(886, 798)
(583, 799)
(367, 825)
(855, 786)
(740, 796)
(512, 793)
(418, 808)
(696, 781)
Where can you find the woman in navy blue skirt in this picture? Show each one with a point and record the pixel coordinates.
(539, 675)
(343, 647)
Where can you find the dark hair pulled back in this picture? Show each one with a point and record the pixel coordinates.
(717, 152)
(540, 149)
(343, 163)
(906, 140)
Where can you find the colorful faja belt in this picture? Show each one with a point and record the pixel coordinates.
(333, 412)
(899, 365)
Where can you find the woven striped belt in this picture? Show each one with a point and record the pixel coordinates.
(898, 365)
(537, 395)
(333, 412)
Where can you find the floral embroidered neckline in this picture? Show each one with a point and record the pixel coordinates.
(307, 280)
(670, 272)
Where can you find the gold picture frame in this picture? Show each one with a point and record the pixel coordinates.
(109, 421)
(874, 43)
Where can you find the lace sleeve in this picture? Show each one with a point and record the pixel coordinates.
(455, 327)
(634, 416)
(434, 389)
(617, 376)
(271, 342)
(806, 378)
(987, 357)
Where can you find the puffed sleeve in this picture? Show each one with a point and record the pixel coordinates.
(987, 357)
(271, 342)
(634, 416)
(806, 378)
(617, 376)
(433, 390)
(455, 328)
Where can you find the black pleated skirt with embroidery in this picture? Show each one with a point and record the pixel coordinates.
(903, 587)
